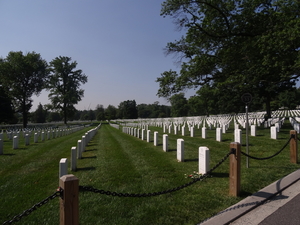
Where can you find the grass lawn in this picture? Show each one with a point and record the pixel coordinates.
(117, 162)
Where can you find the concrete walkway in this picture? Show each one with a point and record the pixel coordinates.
(278, 203)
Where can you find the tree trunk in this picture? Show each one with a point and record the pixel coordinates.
(25, 117)
(268, 106)
(65, 113)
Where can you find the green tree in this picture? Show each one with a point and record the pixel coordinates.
(179, 105)
(22, 76)
(127, 110)
(64, 85)
(99, 111)
(39, 116)
(53, 117)
(91, 115)
(6, 106)
(110, 112)
(241, 46)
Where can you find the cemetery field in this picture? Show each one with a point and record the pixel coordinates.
(117, 162)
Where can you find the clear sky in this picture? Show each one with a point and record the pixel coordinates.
(117, 43)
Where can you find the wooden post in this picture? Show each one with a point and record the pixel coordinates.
(69, 203)
(294, 147)
(235, 170)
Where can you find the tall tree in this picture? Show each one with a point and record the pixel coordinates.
(249, 46)
(6, 106)
(179, 105)
(110, 112)
(99, 111)
(22, 76)
(39, 116)
(64, 85)
(128, 110)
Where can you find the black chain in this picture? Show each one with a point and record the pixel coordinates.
(34, 207)
(202, 177)
(252, 157)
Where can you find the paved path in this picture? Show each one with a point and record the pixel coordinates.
(278, 203)
(284, 208)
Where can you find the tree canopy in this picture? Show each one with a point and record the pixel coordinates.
(23, 75)
(63, 83)
(235, 46)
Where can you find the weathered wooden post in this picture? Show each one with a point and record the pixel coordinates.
(294, 147)
(235, 169)
(69, 202)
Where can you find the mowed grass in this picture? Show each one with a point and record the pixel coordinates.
(117, 162)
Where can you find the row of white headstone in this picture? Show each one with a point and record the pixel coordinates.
(76, 152)
(204, 156)
(45, 135)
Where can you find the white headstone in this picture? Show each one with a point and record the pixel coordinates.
(155, 138)
(192, 131)
(15, 142)
(43, 136)
(183, 130)
(253, 130)
(204, 158)
(180, 150)
(63, 167)
(83, 144)
(148, 135)
(79, 149)
(224, 129)
(218, 134)
(238, 136)
(175, 129)
(273, 132)
(35, 137)
(27, 139)
(165, 142)
(143, 134)
(203, 132)
(73, 159)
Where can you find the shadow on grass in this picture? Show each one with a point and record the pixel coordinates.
(227, 139)
(89, 157)
(24, 148)
(191, 160)
(172, 150)
(91, 150)
(8, 154)
(86, 168)
(220, 174)
(90, 145)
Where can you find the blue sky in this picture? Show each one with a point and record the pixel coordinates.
(118, 44)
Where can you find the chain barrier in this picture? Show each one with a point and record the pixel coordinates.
(252, 157)
(202, 177)
(34, 207)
